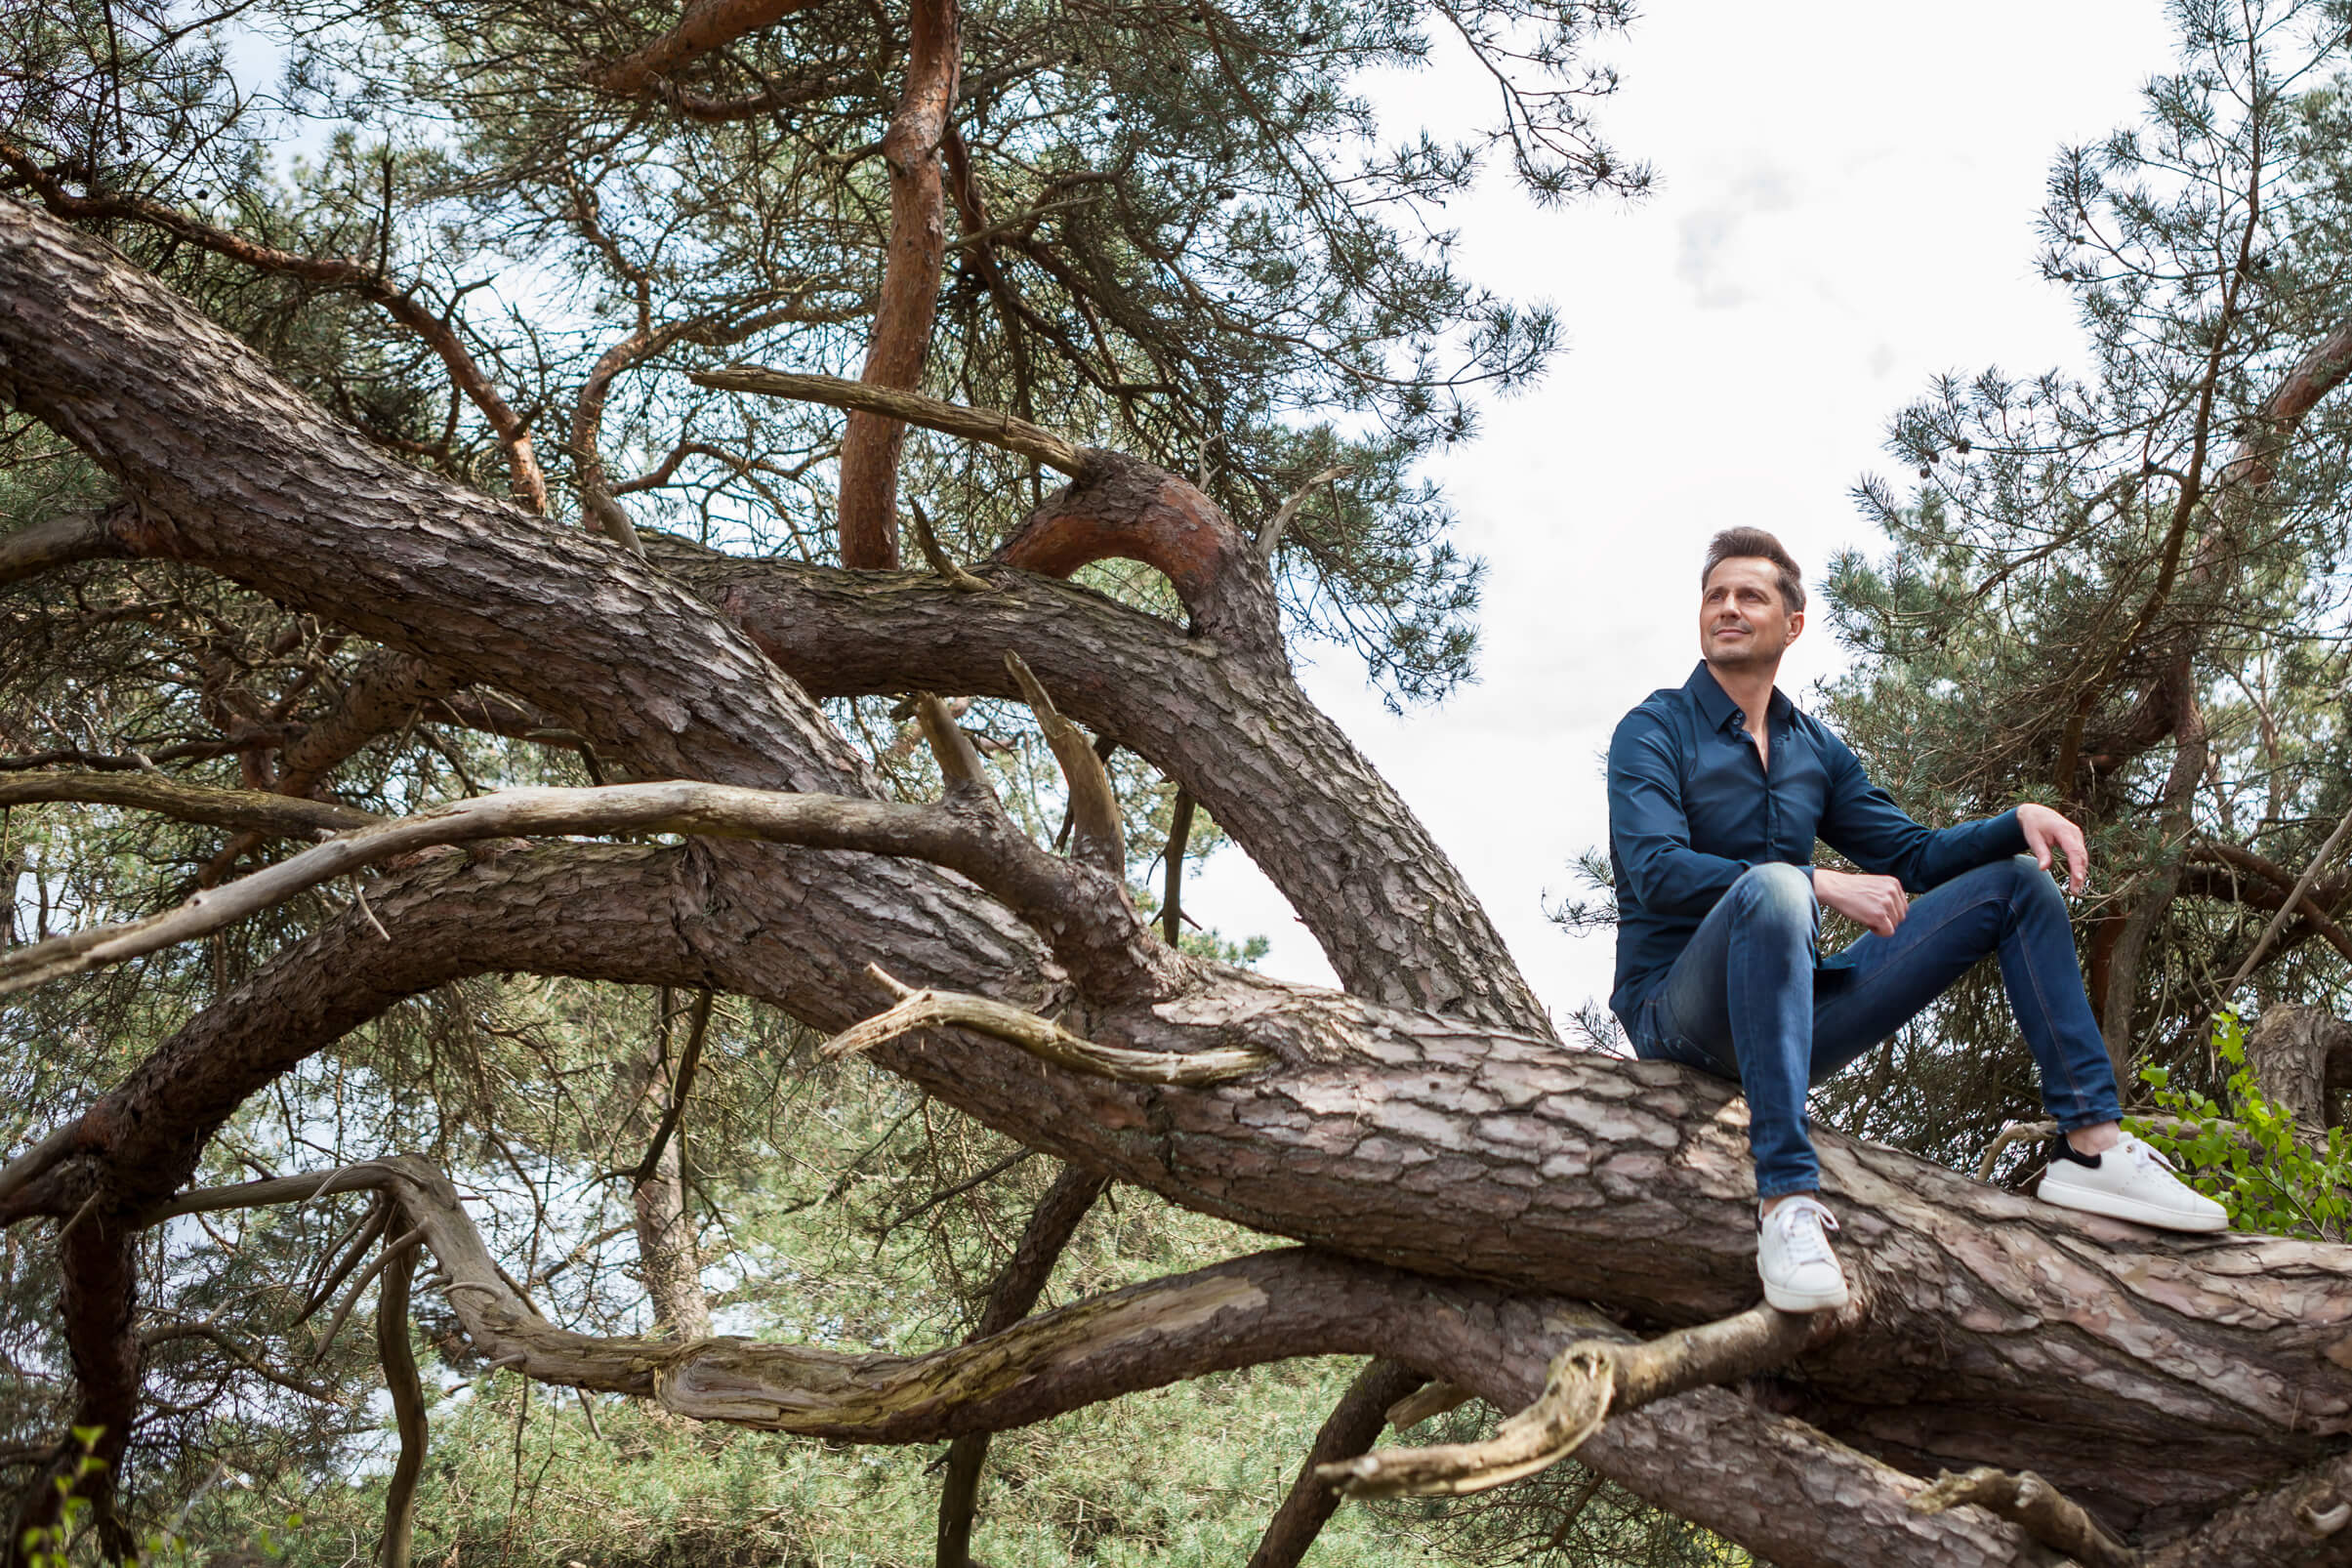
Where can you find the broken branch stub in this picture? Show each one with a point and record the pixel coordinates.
(1101, 837)
(2032, 1505)
(1042, 1038)
(1588, 1382)
(958, 759)
(1572, 1407)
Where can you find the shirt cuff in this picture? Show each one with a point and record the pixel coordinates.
(2005, 834)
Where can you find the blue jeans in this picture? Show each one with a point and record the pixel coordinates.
(1746, 1001)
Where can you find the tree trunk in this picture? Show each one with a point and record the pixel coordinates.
(2291, 1050)
(868, 515)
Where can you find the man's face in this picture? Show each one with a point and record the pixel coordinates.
(1742, 621)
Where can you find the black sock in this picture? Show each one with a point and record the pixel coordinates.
(2060, 1149)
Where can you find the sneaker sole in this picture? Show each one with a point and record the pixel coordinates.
(1784, 1300)
(2131, 1209)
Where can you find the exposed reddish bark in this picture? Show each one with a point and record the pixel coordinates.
(1131, 510)
(707, 25)
(868, 514)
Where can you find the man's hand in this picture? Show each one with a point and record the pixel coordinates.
(2046, 830)
(1878, 902)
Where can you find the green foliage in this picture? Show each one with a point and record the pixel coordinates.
(2247, 1153)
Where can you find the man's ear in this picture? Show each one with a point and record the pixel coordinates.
(1796, 626)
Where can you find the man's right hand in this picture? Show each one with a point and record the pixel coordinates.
(1878, 902)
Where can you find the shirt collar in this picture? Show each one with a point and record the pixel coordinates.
(1716, 704)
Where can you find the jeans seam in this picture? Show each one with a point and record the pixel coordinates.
(2074, 1085)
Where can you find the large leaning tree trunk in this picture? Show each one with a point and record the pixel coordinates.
(1472, 1198)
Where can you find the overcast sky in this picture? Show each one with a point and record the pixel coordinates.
(1847, 194)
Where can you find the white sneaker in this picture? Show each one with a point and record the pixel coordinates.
(2129, 1182)
(1801, 1273)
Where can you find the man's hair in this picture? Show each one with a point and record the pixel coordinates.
(1736, 542)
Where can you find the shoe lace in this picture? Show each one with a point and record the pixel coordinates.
(1804, 1243)
(2148, 1155)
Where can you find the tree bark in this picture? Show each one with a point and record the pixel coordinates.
(669, 1261)
(2291, 1050)
(868, 514)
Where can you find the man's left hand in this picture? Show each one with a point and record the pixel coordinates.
(2044, 831)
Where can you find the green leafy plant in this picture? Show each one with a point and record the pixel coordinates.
(46, 1546)
(2244, 1151)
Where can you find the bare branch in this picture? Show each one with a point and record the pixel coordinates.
(529, 480)
(697, 1026)
(243, 1356)
(1016, 1290)
(1270, 536)
(958, 759)
(985, 424)
(959, 579)
(1428, 1404)
(60, 541)
(1588, 1381)
(257, 812)
(1004, 862)
(1348, 1430)
(408, 1406)
(2295, 898)
(1180, 835)
(2035, 1506)
(1101, 837)
(1040, 1037)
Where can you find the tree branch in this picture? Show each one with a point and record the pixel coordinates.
(1100, 839)
(1352, 1427)
(257, 812)
(1042, 1038)
(867, 525)
(1588, 1381)
(61, 541)
(707, 25)
(529, 480)
(2035, 1505)
(987, 425)
(989, 852)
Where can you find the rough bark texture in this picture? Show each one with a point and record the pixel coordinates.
(2153, 1380)
(2295, 1054)
(1392, 913)
(868, 515)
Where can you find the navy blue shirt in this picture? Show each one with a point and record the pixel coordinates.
(1691, 807)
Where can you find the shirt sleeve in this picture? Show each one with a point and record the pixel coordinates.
(1649, 833)
(1862, 823)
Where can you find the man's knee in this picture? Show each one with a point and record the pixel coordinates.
(1777, 893)
(2026, 876)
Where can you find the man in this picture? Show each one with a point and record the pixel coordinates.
(1716, 793)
